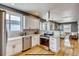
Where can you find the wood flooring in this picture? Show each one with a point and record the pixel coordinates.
(65, 51)
(37, 50)
(70, 51)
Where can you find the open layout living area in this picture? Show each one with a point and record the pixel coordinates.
(44, 29)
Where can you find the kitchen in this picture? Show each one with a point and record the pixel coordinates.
(34, 33)
(31, 37)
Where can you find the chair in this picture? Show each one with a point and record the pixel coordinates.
(68, 48)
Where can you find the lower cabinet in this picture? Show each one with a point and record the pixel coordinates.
(54, 44)
(35, 40)
(18, 48)
(9, 50)
(14, 47)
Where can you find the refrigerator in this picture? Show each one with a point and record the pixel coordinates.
(3, 36)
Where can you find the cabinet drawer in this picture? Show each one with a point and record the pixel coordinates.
(19, 41)
(13, 47)
(14, 42)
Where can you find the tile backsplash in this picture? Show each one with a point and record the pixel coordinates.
(13, 34)
(25, 31)
(31, 31)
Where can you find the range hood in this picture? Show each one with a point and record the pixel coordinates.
(48, 16)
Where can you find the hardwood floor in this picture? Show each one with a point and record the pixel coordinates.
(65, 51)
(37, 50)
(70, 51)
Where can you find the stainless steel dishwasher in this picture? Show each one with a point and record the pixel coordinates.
(26, 43)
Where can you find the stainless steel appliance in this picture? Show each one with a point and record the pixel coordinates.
(2, 33)
(26, 43)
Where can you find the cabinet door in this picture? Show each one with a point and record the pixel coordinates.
(33, 41)
(36, 39)
(41, 25)
(18, 48)
(53, 44)
(14, 46)
(9, 50)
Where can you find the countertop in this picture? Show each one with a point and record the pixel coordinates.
(20, 37)
(44, 37)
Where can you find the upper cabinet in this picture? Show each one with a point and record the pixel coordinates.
(49, 26)
(42, 26)
(32, 22)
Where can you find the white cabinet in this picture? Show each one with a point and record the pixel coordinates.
(9, 50)
(54, 44)
(35, 40)
(32, 22)
(18, 48)
(49, 26)
(41, 25)
(14, 46)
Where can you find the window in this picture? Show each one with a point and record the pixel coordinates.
(7, 21)
(67, 27)
(13, 22)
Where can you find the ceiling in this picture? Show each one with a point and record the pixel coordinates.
(59, 12)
